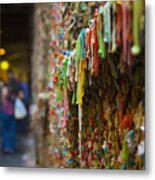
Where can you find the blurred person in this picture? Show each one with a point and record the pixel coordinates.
(25, 88)
(1, 86)
(21, 112)
(13, 84)
(8, 120)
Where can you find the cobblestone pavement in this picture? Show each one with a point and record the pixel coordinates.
(24, 156)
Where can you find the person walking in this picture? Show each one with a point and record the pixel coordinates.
(8, 121)
(20, 112)
(1, 85)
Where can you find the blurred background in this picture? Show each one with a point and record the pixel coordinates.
(16, 36)
(16, 39)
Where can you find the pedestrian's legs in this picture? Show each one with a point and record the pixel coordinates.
(0, 128)
(24, 125)
(13, 132)
(19, 126)
(5, 134)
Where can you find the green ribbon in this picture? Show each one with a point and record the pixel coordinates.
(65, 70)
(73, 98)
(78, 44)
(101, 50)
(136, 48)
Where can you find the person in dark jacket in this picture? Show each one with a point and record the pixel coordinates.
(13, 84)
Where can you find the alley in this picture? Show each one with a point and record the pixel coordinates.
(24, 156)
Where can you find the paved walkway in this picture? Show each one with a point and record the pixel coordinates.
(25, 154)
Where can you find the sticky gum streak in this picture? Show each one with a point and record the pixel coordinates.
(114, 29)
(96, 58)
(101, 50)
(136, 48)
(129, 39)
(105, 24)
(118, 24)
(124, 31)
(109, 27)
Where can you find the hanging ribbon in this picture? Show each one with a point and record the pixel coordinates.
(96, 58)
(89, 42)
(65, 108)
(82, 36)
(80, 128)
(65, 93)
(124, 30)
(129, 39)
(136, 48)
(109, 27)
(65, 72)
(82, 82)
(78, 47)
(118, 24)
(73, 98)
(125, 149)
(113, 29)
(77, 92)
(59, 84)
(78, 51)
(101, 50)
(106, 39)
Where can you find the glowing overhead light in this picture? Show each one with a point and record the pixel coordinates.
(4, 65)
(2, 51)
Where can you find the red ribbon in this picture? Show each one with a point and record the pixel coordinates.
(89, 41)
(118, 24)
